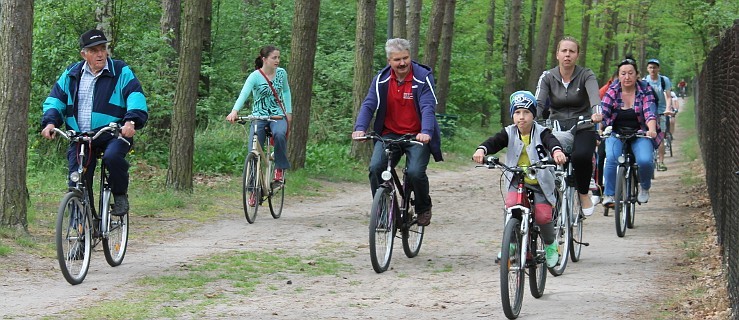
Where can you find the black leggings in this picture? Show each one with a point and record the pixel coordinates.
(582, 159)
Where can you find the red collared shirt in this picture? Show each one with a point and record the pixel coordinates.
(402, 116)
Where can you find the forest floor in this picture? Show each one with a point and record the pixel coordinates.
(667, 267)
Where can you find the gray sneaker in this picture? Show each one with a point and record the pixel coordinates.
(643, 196)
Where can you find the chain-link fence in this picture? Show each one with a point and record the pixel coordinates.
(717, 120)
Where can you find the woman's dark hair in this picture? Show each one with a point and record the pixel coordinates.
(263, 53)
(628, 60)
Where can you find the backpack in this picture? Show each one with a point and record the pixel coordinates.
(654, 93)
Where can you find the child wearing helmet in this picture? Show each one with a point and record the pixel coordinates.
(523, 139)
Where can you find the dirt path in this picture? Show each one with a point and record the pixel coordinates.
(453, 277)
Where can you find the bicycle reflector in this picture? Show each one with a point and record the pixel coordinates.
(74, 176)
(621, 159)
(386, 175)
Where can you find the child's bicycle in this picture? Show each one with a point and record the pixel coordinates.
(392, 209)
(257, 179)
(79, 226)
(522, 248)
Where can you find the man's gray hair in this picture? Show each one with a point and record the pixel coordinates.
(397, 45)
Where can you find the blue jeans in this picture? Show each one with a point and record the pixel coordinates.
(114, 156)
(643, 151)
(279, 131)
(416, 159)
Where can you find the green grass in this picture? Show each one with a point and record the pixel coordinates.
(689, 146)
(191, 289)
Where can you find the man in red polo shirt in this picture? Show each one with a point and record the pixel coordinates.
(402, 99)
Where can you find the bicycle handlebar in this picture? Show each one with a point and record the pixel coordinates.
(72, 135)
(493, 162)
(249, 118)
(608, 132)
(404, 138)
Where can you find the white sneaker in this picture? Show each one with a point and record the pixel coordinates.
(595, 199)
(607, 201)
(643, 196)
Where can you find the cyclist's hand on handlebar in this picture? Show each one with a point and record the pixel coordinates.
(128, 130)
(651, 134)
(479, 156)
(597, 117)
(559, 157)
(233, 116)
(359, 135)
(423, 138)
(48, 132)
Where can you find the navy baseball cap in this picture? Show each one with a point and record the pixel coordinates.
(653, 61)
(92, 38)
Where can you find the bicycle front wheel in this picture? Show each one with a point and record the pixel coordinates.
(276, 195)
(537, 266)
(382, 229)
(252, 191)
(633, 185)
(620, 201)
(576, 229)
(563, 237)
(668, 143)
(73, 238)
(412, 233)
(512, 266)
(116, 241)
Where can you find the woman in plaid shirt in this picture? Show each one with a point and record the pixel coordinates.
(627, 106)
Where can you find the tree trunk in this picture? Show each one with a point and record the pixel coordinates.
(364, 45)
(443, 84)
(170, 22)
(490, 38)
(207, 40)
(608, 51)
(16, 37)
(529, 54)
(511, 65)
(182, 143)
(399, 20)
(539, 59)
(588, 4)
(431, 54)
(414, 26)
(300, 75)
(559, 27)
(106, 21)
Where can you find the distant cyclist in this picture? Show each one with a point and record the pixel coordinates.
(682, 87)
(662, 86)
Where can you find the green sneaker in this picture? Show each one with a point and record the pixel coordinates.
(512, 248)
(552, 254)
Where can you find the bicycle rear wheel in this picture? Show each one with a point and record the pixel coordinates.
(382, 229)
(620, 201)
(577, 225)
(73, 238)
(563, 237)
(411, 233)
(512, 266)
(668, 143)
(276, 194)
(538, 266)
(252, 191)
(116, 241)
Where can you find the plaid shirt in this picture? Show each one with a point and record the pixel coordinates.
(85, 95)
(612, 103)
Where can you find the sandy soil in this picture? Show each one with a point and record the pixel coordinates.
(453, 277)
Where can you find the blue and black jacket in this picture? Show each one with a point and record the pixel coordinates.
(117, 97)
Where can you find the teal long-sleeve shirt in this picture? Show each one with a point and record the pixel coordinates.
(264, 103)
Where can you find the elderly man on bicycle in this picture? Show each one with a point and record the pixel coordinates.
(402, 99)
(89, 95)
